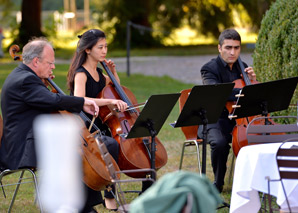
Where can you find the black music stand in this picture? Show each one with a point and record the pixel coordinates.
(204, 105)
(152, 118)
(263, 98)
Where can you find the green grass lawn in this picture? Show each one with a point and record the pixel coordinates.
(142, 87)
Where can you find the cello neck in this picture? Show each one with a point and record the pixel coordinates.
(244, 74)
(118, 88)
(84, 117)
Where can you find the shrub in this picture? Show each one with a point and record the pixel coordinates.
(276, 53)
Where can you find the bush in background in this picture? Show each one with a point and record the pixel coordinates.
(276, 52)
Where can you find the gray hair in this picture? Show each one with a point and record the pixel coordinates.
(34, 48)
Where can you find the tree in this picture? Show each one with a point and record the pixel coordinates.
(256, 10)
(31, 22)
(138, 12)
(5, 9)
(208, 17)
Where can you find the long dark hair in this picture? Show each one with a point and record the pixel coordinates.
(87, 41)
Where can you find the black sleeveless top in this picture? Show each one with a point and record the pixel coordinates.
(92, 89)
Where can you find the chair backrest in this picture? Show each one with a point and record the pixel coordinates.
(259, 132)
(190, 132)
(287, 161)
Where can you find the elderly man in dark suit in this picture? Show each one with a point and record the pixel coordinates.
(223, 69)
(24, 96)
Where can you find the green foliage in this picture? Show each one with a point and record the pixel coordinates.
(208, 17)
(138, 12)
(256, 10)
(276, 54)
(49, 26)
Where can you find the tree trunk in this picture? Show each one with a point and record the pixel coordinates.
(31, 21)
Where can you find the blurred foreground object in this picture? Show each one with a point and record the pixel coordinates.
(59, 163)
(179, 191)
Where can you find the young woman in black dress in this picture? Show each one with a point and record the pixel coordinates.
(85, 79)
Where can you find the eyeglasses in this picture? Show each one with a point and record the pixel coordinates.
(48, 62)
(51, 63)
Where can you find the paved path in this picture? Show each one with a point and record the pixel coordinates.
(183, 68)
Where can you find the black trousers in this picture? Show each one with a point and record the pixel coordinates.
(219, 136)
(94, 197)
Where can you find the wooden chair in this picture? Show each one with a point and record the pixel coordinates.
(190, 132)
(21, 178)
(123, 206)
(267, 130)
(259, 132)
(287, 163)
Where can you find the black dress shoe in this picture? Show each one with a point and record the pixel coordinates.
(224, 205)
(219, 188)
(92, 211)
(88, 210)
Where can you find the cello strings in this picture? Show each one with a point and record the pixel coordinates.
(135, 106)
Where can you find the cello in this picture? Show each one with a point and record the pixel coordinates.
(239, 131)
(134, 153)
(95, 173)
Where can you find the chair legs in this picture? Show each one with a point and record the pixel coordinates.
(20, 181)
(270, 197)
(196, 143)
(283, 188)
(191, 143)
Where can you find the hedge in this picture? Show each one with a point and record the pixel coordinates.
(276, 53)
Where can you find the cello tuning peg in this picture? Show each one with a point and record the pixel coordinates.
(236, 106)
(239, 95)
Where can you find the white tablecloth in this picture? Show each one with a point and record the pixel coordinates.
(253, 164)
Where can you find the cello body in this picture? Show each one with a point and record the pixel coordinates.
(95, 173)
(134, 153)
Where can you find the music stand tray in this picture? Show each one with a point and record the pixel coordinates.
(152, 118)
(263, 98)
(203, 106)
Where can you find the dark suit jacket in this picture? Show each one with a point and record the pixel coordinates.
(215, 72)
(23, 98)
